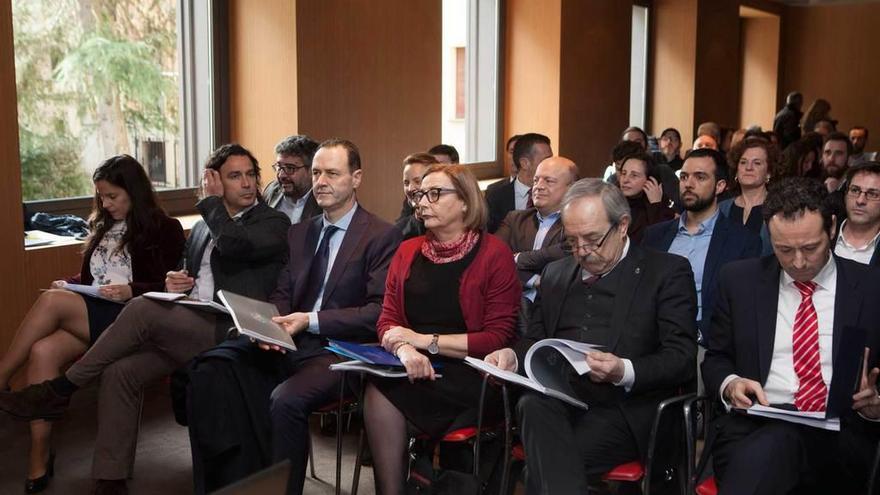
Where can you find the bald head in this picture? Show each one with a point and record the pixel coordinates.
(553, 177)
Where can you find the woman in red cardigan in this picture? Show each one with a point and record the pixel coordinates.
(132, 245)
(449, 294)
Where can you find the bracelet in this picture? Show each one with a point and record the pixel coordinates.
(397, 348)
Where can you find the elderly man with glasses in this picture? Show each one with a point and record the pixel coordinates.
(640, 306)
(291, 191)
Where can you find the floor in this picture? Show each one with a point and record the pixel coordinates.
(163, 465)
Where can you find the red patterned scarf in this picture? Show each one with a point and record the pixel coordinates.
(446, 252)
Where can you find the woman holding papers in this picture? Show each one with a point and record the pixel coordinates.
(451, 293)
(132, 244)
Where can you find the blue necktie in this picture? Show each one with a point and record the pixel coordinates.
(318, 270)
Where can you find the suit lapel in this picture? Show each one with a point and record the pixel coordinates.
(766, 301)
(200, 236)
(529, 231)
(628, 282)
(350, 242)
(717, 244)
(669, 235)
(847, 305)
(554, 235)
(554, 301)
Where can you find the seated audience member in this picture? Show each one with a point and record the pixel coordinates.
(663, 171)
(647, 202)
(785, 124)
(800, 159)
(670, 148)
(703, 235)
(710, 129)
(753, 163)
(131, 246)
(640, 306)
(621, 150)
(630, 135)
(504, 196)
(857, 240)
(248, 406)
(450, 294)
(535, 235)
(238, 245)
(819, 110)
(444, 153)
(858, 136)
(773, 327)
(705, 141)
(508, 156)
(737, 137)
(825, 127)
(291, 191)
(835, 159)
(414, 166)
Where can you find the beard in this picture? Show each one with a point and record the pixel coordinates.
(695, 203)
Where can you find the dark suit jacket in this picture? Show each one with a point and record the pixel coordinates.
(518, 231)
(499, 197)
(730, 241)
(355, 286)
(273, 194)
(653, 324)
(248, 252)
(744, 320)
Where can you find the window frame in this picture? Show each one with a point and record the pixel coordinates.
(215, 102)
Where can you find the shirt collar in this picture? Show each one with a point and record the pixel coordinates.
(305, 197)
(242, 212)
(520, 188)
(342, 223)
(541, 219)
(842, 239)
(707, 226)
(826, 278)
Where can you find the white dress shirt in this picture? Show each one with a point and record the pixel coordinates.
(293, 209)
(520, 195)
(782, 381)
(849, 251)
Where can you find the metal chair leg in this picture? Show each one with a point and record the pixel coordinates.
(339, 435)
(312, 458)
(356, 477)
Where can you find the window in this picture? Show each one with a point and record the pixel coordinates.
(470, 78)
(96, 78)
(639, 66)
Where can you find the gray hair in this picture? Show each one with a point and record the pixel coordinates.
(301, 146)
(616, 206)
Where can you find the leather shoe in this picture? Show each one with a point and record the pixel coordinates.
(39, 484)
(37, 401)
(110, 487)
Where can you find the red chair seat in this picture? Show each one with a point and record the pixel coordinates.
(631, 471)
(460, 435)
(707, 487)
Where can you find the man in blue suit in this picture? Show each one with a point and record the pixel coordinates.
(703, 234)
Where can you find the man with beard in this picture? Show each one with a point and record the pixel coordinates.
(835, 156)
(859, 232)
(703, 234)
(291, 191)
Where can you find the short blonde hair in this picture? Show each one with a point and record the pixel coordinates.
(467, 188)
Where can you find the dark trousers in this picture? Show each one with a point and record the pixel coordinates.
(564, 444)
(311, 386)
(763, 456)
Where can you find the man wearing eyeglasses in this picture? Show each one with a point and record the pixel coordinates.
(640, 306)
(857, 240)
(291, 191)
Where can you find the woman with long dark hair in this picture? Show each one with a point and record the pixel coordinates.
(132, 245)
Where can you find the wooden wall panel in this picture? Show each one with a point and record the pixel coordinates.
(672, 72)
(370, 72)
(15, 299)
(716, 86)
(594, 80)
(830, 52)
(759, 71)
(263, 82)
(532, 68)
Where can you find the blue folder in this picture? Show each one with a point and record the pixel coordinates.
(370, 354)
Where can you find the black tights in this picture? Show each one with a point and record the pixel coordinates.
(386, 432)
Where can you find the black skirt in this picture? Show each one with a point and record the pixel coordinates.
(101, 314)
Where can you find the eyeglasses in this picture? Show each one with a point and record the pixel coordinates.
(570, 245)
(433, 194)
(288, 168)
(871, 194)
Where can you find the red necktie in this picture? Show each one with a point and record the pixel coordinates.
(812, 393)
(529, 203)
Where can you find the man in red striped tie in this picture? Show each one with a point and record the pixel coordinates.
(776, 333)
